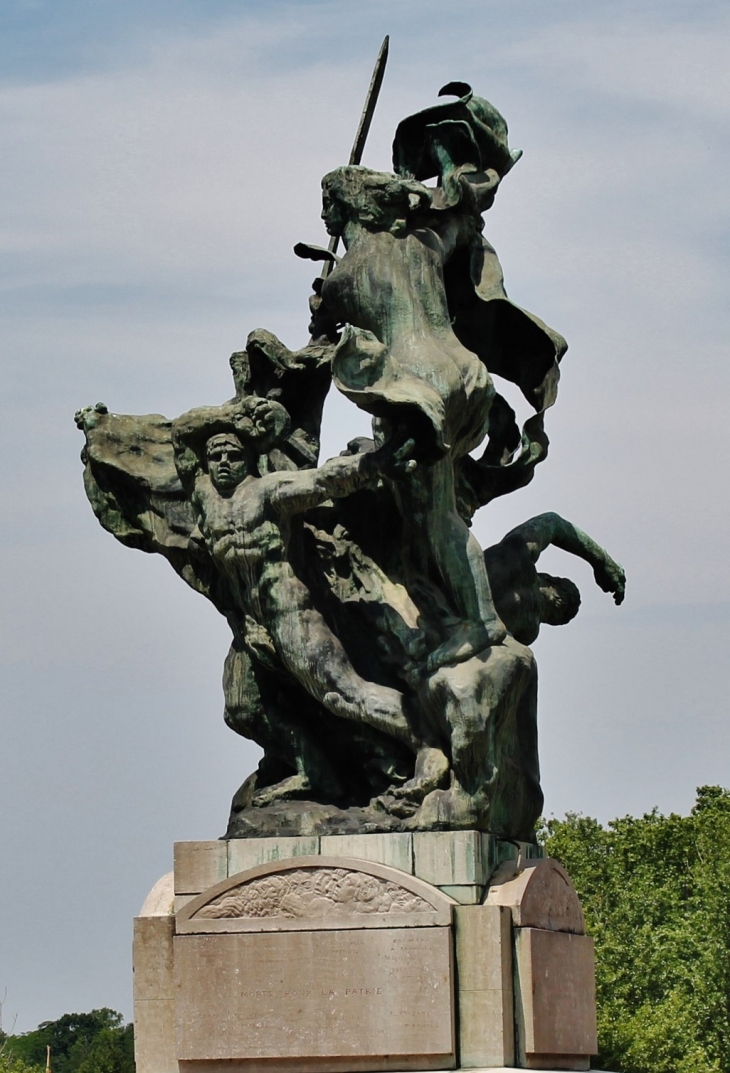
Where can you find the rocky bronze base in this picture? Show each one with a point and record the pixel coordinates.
(304, 818)
(439, 810)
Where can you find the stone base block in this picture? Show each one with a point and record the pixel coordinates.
(316, 962)
(460, 863)
(303, 997)
(154, 985)
(556, 998)
(372, 953)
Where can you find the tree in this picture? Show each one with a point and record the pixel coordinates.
(95, 1042)
(10, 1064)
(112, 1051)
(656, 894)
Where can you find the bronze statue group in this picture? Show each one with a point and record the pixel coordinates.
(380, 656)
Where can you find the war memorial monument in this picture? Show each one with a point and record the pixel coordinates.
(378, 901)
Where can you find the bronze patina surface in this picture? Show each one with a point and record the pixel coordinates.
(379, 655)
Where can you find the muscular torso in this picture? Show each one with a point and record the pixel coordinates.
(248, 538)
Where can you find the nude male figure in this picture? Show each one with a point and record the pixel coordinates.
(525, 598)
(245, 522)
(487, 706)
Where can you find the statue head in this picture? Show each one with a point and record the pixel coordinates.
(559, 600)
(375, 199)
(228, 461)
(240, 450)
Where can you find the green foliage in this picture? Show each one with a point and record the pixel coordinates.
(112, 1052)
(96, 1042)
(656, 894)
(11, 1064)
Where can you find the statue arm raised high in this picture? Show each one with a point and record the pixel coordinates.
(540, 532)
(258, 422)
(189, 433)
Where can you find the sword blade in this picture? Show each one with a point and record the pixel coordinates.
(363, 129)
(370, 101)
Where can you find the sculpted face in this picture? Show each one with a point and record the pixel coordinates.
(559, 600)
(228, 462)
(378, 200)
(333, 213)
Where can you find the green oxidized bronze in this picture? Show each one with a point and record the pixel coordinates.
(379, 655)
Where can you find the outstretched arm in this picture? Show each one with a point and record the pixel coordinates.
(546, 529)
(294, 492)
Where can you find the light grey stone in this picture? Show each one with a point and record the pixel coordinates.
(159, 901)
(182, 900)
(199, 865)
(321, 1065)
(483, 947)
(316, 893)
(541, 895)
(449, 858)
(245, 853)
(154, 999)
(394, 849)
(485, 1000)
(555, 999)
(465, 895)
(383, 996)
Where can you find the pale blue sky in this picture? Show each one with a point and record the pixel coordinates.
(160, 159)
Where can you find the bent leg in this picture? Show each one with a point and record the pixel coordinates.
(310, 651)
(489, 705)
(294, 762)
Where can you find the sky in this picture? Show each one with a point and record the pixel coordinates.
(160, 160)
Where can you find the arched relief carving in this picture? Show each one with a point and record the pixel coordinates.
(316, 893)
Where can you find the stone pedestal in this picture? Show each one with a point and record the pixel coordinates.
(362, 953)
